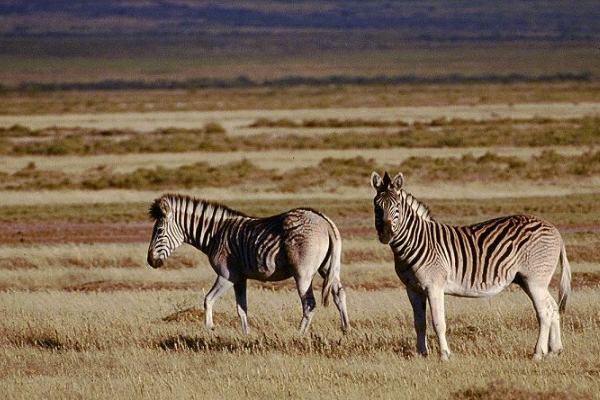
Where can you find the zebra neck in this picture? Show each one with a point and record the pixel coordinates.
(409, 242)
(202, 221)
(419, 208)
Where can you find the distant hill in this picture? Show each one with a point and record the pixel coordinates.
(413, 19)
(174, 42)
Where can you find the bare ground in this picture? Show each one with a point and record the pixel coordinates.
(65, 232)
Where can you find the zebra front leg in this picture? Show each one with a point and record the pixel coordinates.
(220, 286)
(418, 301)
(242, 306)
(304, 285)
(436, 302)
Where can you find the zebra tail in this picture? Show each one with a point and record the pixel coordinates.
(565, 280)
(333, 272)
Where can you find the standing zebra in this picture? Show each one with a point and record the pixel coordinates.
(296, 244)
(433, 259)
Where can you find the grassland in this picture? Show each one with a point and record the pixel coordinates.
(117, 344)
(92, 319)
(83, 316)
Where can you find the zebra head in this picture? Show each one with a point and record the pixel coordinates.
(167, 235)
(387, 203)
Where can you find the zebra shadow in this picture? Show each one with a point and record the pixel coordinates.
(314, 343)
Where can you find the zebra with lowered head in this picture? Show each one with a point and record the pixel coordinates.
(298, 243)
(480, 260)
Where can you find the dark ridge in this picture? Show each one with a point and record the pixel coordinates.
(468, 18)
(290, 81)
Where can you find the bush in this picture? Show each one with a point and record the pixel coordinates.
(214, 127)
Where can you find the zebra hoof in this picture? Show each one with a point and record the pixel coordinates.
(537, 357)
(445, 356)
(423, 354)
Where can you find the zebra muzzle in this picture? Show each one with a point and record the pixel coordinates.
(154, 262)
(384, 234)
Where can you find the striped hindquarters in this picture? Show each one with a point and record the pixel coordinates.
(489, 254)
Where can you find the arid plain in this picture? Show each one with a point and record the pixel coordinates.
(84, 316)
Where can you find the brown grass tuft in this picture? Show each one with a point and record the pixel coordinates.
(191, 314)
(498, 390)
(112, 286)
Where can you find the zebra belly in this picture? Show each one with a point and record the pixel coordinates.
(278, 274)
(270, 266)
(456, 289)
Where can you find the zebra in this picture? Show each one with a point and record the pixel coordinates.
(480, 260)
(297, 244)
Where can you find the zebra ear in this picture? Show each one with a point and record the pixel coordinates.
(376, 181)
(398, 181)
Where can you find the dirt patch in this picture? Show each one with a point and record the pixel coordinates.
(585, 280)
(579, 280)
(72, 232)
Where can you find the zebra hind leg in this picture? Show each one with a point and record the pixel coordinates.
(545, 307)
(307, 297)
(555, 343)
(242, 305)
(339, 298)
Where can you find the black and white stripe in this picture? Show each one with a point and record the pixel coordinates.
(298, 244)
(477, 260)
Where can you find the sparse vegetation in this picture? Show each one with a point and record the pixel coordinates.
(328, 173)
(325, 123)
(212, 137)
(300, 97)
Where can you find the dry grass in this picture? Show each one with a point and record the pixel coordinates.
(73, 102)
(135, 344)
(91, 320)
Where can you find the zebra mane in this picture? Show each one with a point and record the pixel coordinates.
(155, 212)
(176, 200)
(418, 207)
